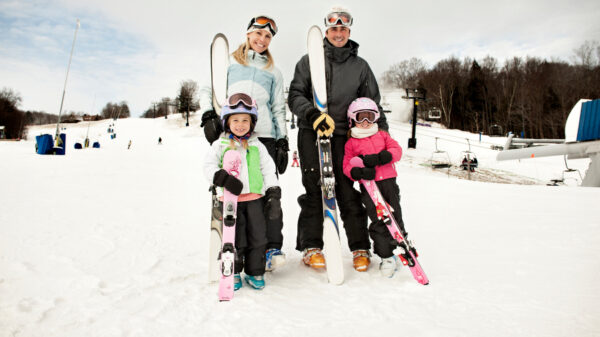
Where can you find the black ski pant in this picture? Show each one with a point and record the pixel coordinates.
(383, 242)
(351, 210)
(250, 238)
(274, 226)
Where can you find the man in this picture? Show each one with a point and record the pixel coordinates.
(348, 77)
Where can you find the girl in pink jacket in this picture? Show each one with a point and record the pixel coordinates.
(379, 151)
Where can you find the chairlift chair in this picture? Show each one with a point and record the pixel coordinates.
(439, 158)
(434, 113)
(469, 159)
(495, 130)
(569, 175)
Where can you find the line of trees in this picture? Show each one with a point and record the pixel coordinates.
(528, 95)
(115, 110)
(15, 121)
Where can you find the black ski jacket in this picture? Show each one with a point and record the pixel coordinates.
(348, 77)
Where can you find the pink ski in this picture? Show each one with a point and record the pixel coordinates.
(231, 163)
(408, 256)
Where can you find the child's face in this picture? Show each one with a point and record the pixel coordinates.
(365, 124)
(239, 124)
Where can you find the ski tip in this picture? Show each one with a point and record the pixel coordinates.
(423, 281)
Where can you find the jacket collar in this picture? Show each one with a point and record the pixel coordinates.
(340, 54)
(254, 57)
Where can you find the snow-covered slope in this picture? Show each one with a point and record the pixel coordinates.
(113, 242)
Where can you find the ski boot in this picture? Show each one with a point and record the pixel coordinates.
(275, 259)
(256, 282)
(237, 282)
(388, 266)
(313, 257)
(361, 259)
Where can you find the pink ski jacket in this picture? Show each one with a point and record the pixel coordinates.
(373, 145)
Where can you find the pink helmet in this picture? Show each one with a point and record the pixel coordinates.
(360, 105)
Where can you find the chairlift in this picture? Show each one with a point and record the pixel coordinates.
(469, 159)
(439, 158)
(569, 175)
(434, 113)
(495, 130)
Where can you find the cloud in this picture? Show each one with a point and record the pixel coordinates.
(140, 51)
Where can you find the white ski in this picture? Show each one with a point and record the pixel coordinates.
(331, 235)
(219, 62)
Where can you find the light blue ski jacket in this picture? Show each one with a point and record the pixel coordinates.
(264, 85)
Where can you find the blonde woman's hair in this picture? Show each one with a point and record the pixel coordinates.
(241, 55)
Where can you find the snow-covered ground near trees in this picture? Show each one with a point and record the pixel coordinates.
(113, 242)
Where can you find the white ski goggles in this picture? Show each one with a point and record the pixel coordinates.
(365, 115)
(337, 19)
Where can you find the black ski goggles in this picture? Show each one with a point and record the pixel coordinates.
(263, 22)
(336, 19)
(240, 98)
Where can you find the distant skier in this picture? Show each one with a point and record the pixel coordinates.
(379, 151)
(295, 162)
(129, 145)
(159, 141)
(257, 186)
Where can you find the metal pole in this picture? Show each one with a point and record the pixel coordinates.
(87, 138)
(412, 142)
(58, 141)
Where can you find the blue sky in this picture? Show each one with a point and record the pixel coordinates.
(140, 51)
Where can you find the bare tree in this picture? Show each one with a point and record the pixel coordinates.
(10, 116)
(11, 96)
(186, 97)
(587, 55)
(404, 74)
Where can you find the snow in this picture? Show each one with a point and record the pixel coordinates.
(114, 242)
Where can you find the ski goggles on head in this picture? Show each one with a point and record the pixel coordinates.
(365, 115)
(338, 19)
(263, 22)
(240, 98)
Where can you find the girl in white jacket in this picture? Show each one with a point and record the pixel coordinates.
(257, 186)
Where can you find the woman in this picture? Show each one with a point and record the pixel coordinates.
(252, 71)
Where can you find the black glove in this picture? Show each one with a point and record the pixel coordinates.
(231, 183)
(365, 173)
(281, 154)
(273, 202)
(321, 122)
(212, 125)
(381, 158)
(385, 157)
(370, 160)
